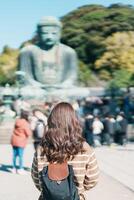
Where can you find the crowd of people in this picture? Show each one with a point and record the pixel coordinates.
(105, 120)
(106, 130)
(65, 134)
(103, 123)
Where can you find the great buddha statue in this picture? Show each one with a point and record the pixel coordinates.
(50, 67)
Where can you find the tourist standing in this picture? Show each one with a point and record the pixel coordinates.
(38, 123)
(19, 140)
(88, 129)
(111, 128)
(106, 137)
(121, 129)
(97, 127)
(63, 143)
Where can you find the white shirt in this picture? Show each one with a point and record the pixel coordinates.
(97, 126)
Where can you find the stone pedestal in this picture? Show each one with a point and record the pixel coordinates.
(51, 93)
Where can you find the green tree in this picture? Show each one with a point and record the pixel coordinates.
(119, 54)
(8, 63)
(122, 78)
(84, 76)
(87, 28)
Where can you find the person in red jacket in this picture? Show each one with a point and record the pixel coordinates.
(19, 140)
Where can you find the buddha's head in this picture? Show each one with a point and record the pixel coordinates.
(49, 31)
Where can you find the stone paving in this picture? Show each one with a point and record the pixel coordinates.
(118, 162)
(14, 186)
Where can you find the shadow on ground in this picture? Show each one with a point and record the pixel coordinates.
(8, 168)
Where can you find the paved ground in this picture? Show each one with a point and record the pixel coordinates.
(14, 187)
(118, 162)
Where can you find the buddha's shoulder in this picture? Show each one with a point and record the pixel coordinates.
(67, 49)
(29, 48)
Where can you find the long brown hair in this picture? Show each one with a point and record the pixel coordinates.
(63, 139)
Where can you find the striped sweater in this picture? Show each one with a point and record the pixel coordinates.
(84, 165)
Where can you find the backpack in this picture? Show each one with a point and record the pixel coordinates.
(38, 132)
(58, 189)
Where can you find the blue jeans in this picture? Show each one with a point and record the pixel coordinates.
(18, 152)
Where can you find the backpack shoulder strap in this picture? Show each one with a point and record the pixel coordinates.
(71, 171)
(44, 171)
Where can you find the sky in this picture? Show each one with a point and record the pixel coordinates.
(18, 19)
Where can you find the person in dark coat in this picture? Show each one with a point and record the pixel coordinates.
(111, 128)
(105, 134)
(88, 129)
(121, 129)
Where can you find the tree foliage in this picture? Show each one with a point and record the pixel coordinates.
(93, 24)
(84, 75)
(103, 37)
(118, 60)
(8, 63)
(119, 52)
(122, 78)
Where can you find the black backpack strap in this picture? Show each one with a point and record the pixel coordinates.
(44, 171)
(72, 186)
(71, 171)
(70, 179)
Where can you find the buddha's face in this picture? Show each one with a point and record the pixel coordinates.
(49, 35)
